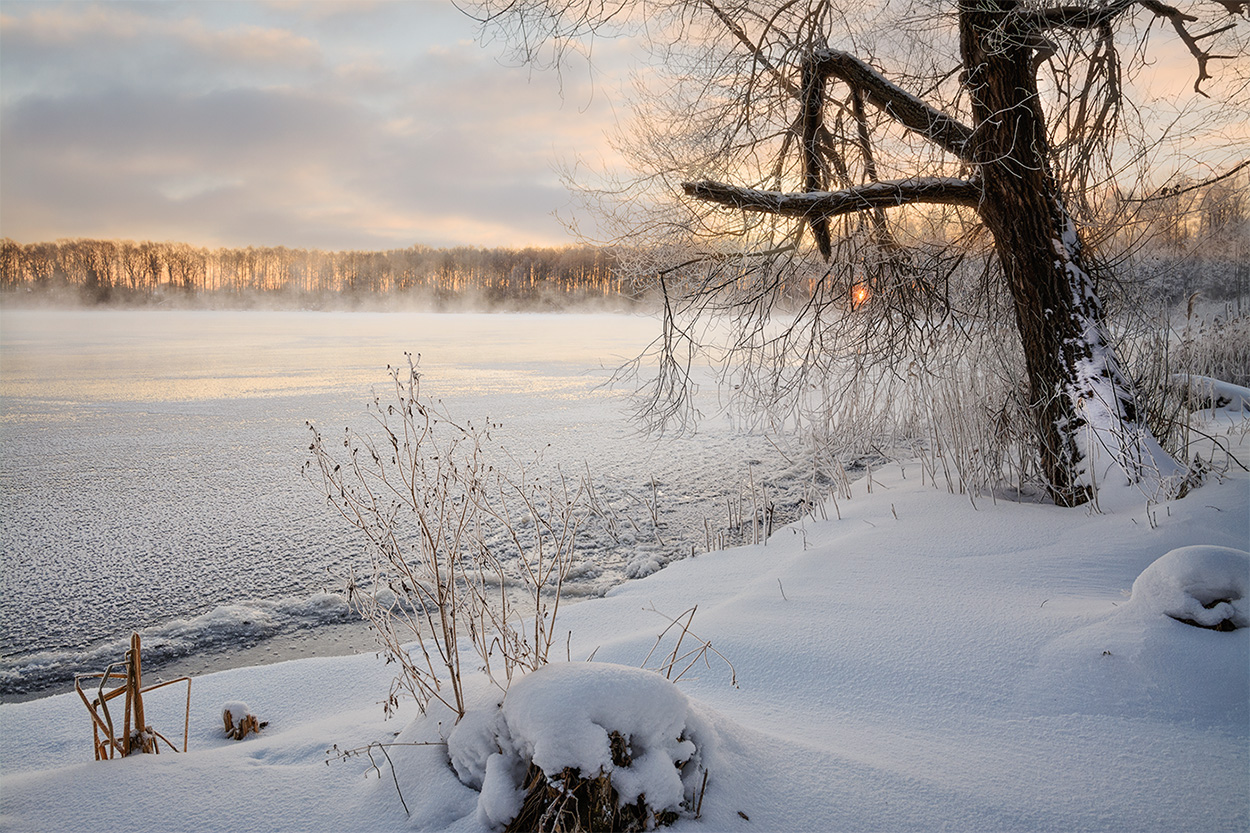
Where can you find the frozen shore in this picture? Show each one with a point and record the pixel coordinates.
(919, 664)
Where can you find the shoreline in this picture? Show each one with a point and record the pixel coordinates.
(336, 640)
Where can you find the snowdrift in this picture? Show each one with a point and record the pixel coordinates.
(928, 661)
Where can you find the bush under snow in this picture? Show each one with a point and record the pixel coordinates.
(1200, 585)
(569, 717)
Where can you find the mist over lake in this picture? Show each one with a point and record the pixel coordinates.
(151, 470)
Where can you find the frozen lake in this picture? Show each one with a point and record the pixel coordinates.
(150, 468)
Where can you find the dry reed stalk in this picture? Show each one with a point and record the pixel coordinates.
(143, 738)
(675, 657)
(451, 529)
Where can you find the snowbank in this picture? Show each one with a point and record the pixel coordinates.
(1205, 393)
(1141, 661)
(925, 662)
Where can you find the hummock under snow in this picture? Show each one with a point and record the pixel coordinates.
(1205, 586)
(1216, 394)
(925, 661)
(561, 716)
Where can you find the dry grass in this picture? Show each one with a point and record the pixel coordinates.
(456, 531)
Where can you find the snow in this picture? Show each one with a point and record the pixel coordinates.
(1202, 584)
(560, 716)
(909, 110)
(1216, 395)
(234, 710)
(921, 662)
(1115, 448)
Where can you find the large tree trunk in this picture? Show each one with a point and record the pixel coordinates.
(1086, 415)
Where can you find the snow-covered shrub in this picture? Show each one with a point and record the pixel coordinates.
(584, 746)
(1165, 354)
(1205, 586)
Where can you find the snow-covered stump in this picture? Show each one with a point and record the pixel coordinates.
(571, 801)
(1204, 586)
(584, 747)
(239, 720)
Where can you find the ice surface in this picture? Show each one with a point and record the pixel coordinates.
(150, 474)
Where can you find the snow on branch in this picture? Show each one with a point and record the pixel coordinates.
(1092, 17)
(886, 194)
(908, 110)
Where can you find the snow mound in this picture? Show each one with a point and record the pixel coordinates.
(1207, 393)
(567, 716)
(1140, 661)
(1205, 586)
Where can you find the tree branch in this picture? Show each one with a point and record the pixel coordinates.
(1167, 193)
(752, 47)
(1068, 17)
(881, 230)
(937, 190)
(905, 108)
(1034, 21)
(812, 119)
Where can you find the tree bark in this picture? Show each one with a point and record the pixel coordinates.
(1082, 403)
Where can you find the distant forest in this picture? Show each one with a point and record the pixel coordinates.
(130, 273)
(1191, 237)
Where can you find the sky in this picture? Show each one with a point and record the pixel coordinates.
(352, 124)
(330, 125)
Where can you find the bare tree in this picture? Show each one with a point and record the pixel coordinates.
(1002, 117)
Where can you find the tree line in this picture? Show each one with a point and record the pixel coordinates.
(123, 271)
(1191, 237)
(1184, 238)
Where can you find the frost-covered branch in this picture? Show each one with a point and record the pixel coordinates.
(887, 194)
(906, 109)
(1076, 15)
(754, 48)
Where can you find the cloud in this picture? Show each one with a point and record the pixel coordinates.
(75, 47)
(248, 166)
(157, 132)
(279, 127)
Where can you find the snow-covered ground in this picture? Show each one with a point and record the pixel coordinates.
(920, 663)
